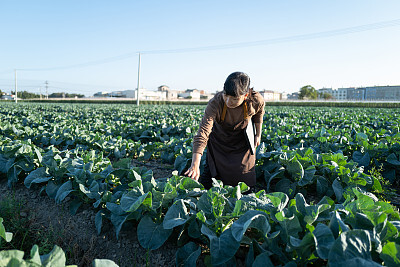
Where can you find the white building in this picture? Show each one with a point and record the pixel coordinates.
(171, 94)
(144, 94)
(337, 94)
(151, 95)
(190, 93)
(340, 94)
(270, 95)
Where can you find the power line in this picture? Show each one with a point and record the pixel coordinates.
(87, 85)
(295, 38)
(90, 63)
(6, 71)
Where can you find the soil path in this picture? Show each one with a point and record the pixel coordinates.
(78, 231)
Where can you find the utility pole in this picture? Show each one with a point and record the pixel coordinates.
(16, 87)
(138, 84)
(47, 87)
(40, 90)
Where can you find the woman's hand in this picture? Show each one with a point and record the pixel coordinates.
(194, 170)
(257, 140)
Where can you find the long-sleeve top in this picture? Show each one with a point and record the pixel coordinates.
(213, 112)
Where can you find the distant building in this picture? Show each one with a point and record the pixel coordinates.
(337, 94)
(129, 93)
(382, 93)
(373, 93)
(117, 94)
(190, 93)
(204, 95)
(340, 94)
(152, 95)
(293, 96)
(323, 92)
(5, 96)
(101, 94)
(144, 94)
(270, 95)
(163, 93)
(356, 94)
(170, 94)
(163, 88)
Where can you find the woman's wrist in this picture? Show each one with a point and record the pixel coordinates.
(196, 159)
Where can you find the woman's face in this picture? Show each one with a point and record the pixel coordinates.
(233, 101)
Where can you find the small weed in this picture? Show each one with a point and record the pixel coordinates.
(26, 232)
(148, 258)
(387, 192)
(134, 260)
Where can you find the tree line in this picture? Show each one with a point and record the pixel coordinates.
(29, 95)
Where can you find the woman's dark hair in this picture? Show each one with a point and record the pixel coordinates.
(237, 84)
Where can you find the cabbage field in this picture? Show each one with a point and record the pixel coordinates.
(327, 181)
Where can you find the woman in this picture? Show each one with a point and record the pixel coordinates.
(222, 130)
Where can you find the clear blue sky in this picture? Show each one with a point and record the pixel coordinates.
(50, 34)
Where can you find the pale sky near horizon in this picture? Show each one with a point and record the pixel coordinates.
(271, 41)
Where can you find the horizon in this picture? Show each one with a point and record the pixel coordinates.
(207, 93)
(89, 47)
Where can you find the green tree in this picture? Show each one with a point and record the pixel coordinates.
(325, 96)
(26, 95)
(308, 92)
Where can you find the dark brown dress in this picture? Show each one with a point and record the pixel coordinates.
(228, 153)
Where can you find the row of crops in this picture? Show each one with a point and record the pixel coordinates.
(323, 175)
(55, 258)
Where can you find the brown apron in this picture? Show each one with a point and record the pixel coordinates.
(228, 153)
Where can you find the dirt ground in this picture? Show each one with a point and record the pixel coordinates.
(79, 233)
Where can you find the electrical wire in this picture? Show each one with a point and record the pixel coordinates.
(324, 34)
(303, 37)
(90, 63)
(6, 71)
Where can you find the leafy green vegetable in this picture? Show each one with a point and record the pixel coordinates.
(151, 235)
(87, 155)
(187, 255)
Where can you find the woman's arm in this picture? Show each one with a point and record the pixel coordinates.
(257, 138)
(258, 119)
(201, 138)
